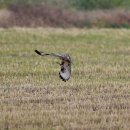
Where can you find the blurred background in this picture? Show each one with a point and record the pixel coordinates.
(65, 13)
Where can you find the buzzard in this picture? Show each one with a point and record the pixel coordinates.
(65, 71)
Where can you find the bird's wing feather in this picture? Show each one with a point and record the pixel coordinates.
(51, 54)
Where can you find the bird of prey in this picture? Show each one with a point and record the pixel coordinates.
(65, 71)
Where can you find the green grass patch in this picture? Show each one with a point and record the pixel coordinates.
(73, 4)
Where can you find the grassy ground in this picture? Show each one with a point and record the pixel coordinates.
(32, 96)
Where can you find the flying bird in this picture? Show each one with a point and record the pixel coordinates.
(65, 71)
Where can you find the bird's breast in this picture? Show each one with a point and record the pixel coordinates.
(65, 74)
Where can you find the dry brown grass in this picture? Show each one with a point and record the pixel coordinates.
(33, 97)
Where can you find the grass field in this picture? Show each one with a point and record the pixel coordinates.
(97, 97)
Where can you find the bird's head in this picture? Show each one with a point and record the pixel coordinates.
(67, 58)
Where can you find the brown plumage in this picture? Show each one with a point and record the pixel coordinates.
(65, 71)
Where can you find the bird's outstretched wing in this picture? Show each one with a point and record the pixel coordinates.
(51, 54)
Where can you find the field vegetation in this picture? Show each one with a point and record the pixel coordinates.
(65, 13)
(71, 4)
(97, 97)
